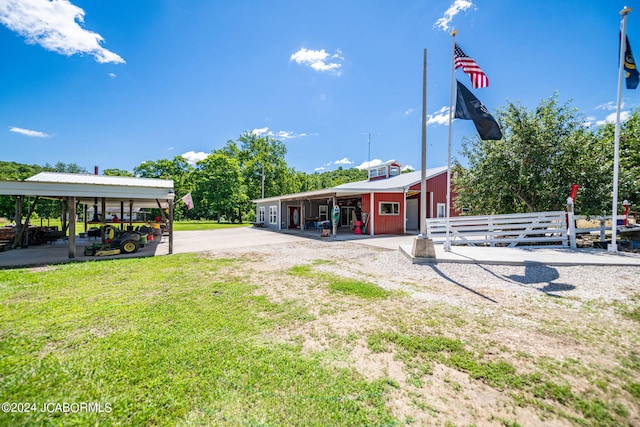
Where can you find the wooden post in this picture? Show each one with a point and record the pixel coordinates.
(18, 219)
(103, 219)
(131, 214)
(122, 215)
(170, 226)
(71, 202)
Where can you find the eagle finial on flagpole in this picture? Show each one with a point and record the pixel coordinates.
(623, 12)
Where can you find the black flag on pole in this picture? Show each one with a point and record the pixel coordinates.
(468, 107)
(630, 69)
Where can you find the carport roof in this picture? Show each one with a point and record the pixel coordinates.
(145, 192)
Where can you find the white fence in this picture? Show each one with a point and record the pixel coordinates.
(512, 229)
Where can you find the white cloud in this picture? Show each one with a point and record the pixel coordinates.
(281, 134)
(456, 7)
(285, 134)
(112, 75)
(319, 60)
(260, 131)
(343, 161)
(27, 132)
(440, 117)
(56, 26)
(611, 118)
(409, 111)
(193, 157)
(610, 106)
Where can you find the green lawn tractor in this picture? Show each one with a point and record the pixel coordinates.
(125, 243)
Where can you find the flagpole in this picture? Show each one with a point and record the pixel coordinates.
(447, 243)
(423, 170)
(422, 245)
(613, 246)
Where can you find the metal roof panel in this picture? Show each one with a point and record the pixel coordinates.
(85, 178)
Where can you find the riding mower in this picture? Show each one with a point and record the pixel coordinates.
(126, 243)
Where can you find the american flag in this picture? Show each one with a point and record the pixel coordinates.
(478, 78)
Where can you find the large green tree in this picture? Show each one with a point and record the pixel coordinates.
(45, 208)
(15, 172)
(542, 153)
(176, 169)
(217, 187)
(263, 165)
(629, 167)
(117, 172)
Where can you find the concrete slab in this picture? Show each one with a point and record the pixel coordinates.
(183, 242)
(525, 255)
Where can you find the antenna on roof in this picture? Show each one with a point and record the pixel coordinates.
(369, 141)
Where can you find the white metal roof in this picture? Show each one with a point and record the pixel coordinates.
(86, 188)
(85, 178)
(398, 183)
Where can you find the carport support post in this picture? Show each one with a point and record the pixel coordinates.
(19, 205)
(103, 220)
(71, 202)
(170, 226)
(122, 215)
(84, 217)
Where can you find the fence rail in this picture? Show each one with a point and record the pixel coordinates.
(511, 229)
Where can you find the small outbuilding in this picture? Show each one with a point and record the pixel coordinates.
(388, 202)
(75, 190)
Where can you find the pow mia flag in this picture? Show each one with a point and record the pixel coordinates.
(468, 107)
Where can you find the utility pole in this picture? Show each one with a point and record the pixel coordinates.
(263, 181)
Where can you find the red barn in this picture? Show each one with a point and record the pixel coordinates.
(386, 203)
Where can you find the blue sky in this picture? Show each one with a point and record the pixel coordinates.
(115, 83)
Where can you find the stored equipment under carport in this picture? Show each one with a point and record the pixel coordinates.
(127, 243)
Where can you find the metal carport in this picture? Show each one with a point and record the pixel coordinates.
(86, 189)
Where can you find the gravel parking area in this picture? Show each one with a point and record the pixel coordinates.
(576, 326)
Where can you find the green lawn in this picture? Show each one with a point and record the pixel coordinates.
(165, 341)
(190, 340)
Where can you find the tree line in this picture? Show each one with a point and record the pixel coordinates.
(222, 185)
(542, 153)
